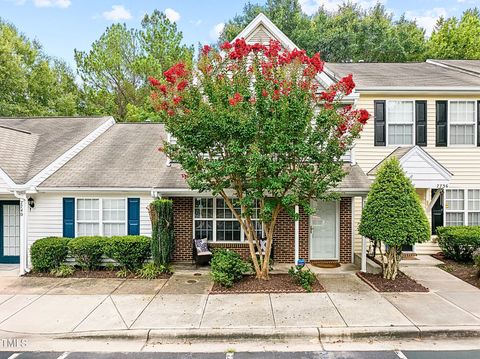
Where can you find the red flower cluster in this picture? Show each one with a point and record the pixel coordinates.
(345, 87)
(237, 98)
(206, 50)
(175, 72)
(363, 116)
(153, 81)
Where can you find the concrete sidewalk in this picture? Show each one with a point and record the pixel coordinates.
(183, 307)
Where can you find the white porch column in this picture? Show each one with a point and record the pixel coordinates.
(364, 248)
(23, 231)
(297, 234)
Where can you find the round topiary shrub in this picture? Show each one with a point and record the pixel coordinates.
(48, 253)
(129, 251)
(227, 267)
(87, 251)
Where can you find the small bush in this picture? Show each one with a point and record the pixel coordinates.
(63, 271)
(48, 253)
(459, 242)
(87, 251)
(151, 270)
(227, 267)
(303, 276)
(123, 273)
(129, 251)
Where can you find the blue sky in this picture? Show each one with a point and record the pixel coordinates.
(63, 25)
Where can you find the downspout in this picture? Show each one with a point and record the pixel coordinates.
(22, 196)
(297, 234)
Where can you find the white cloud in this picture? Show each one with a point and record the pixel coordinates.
(172, 15)
(216, 31)
(427, 19)
(311, 6)
(52, 3)
(118, 12)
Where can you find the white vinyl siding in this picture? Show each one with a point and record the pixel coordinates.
(400, 122)
(462, 207)
(46, 219)
(462, 122)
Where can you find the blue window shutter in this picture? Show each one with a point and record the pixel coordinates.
(69, 217)
(134, 216)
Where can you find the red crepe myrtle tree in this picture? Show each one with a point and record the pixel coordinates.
(252, 125)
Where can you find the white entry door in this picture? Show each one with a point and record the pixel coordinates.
(324, 237)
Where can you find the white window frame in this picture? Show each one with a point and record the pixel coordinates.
(387, 122)
(100, 214)
(475, 117)
(214, 220)
(465, 210)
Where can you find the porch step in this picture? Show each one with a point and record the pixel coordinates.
(372, 267)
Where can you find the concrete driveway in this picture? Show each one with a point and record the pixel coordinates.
(48, 305)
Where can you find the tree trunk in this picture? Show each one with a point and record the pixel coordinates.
(392, 263)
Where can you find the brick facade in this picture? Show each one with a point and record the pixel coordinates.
(346, 230)
(284, 236)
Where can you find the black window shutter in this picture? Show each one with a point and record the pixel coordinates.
(442, 125)
(478, 123)
(379, 122)
(421, 123)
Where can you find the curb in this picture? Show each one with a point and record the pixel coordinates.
(325, 335)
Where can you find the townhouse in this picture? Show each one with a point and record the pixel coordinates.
(91, 176)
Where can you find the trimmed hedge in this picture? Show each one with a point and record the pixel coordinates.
(129, 251)
(87, 251)
(48, 253)
(459, 242)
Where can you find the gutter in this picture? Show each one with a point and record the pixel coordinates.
(410, 89)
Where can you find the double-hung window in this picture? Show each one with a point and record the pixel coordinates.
(106, 217)
(462, 120)
(462, 207)
(400, 122)
(214, 220)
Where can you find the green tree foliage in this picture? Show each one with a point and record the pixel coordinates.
(456, 39)
(347, 34)
(249, 119)
(114, 71)
(393, 215)
(32, 84)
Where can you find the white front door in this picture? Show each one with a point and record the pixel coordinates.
(324, 243)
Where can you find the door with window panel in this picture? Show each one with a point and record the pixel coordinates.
(9, 232)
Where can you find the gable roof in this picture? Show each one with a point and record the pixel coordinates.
(125, 156)
(417, 75)
(469, 66)
(29, 145)
(424, 170)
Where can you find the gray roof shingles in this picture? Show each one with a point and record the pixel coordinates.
(472, 66)
(29, 145)
(371, 75)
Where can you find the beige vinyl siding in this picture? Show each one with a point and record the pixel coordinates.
(3, 186)
(46, 219)
(463, 162)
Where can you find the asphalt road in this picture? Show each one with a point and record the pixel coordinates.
(468, 354)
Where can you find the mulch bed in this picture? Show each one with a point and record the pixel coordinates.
(402, 283)
(465, 271)
(278, 283)
(93, 274)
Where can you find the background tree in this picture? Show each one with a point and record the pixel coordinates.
(456, 39)
(31, 83)
(253, 125)
(350, 33)
(393, 216)
(114, 72)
